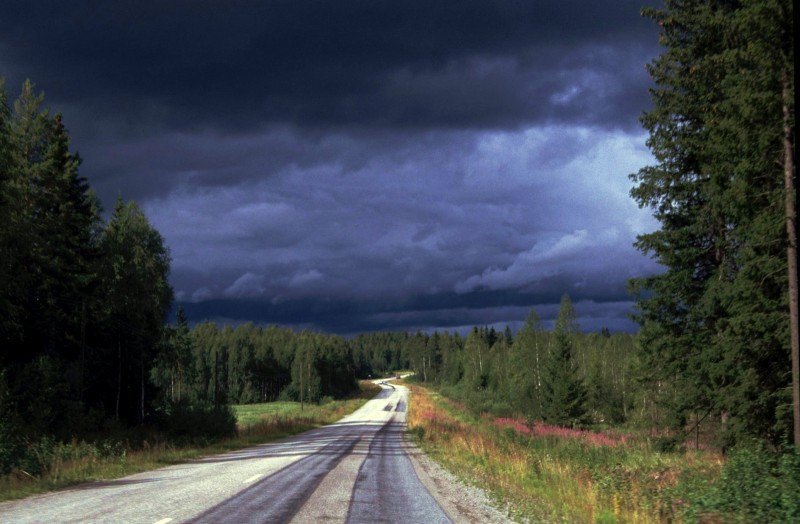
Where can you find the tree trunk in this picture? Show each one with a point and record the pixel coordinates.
(141, 385)
(83, 349)
(301, 387)
(119, 375)
(791, 252)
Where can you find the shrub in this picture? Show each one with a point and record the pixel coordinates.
(755, 486)
(191, 421)
(10, 442)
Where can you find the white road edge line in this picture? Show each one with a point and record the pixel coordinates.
(163, 521)
(248, 481)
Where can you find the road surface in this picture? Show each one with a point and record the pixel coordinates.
(357, 470)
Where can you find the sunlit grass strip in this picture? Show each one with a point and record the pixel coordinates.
(76, 462)
(545, 473)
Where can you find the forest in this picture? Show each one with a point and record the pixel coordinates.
(82, 300)
(534, 374)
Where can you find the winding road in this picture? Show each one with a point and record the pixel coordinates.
(358, 470)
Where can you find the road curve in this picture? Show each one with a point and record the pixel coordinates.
(356, 471)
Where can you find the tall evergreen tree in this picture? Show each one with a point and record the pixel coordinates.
(49, 236)
(563, 391)
(49, 221)
(8, 284)
(716, 323)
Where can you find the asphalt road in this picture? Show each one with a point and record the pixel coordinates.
(356, 471)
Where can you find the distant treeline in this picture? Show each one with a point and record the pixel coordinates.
(248, 364)
(560, 376)
(564, 376)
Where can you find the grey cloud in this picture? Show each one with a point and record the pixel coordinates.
(191, 67)
(432, 213)
(421, 313)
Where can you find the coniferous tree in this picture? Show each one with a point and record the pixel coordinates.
(48, 234)
(8, 254)
(563, 391)
(717, 321)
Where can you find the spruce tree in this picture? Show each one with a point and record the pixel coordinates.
(716, 323)
(563, 392)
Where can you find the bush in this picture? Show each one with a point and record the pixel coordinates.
(203, 421)
(10, 442)
(755, 486)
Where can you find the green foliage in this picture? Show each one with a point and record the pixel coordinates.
(82, 303)
(196, 421)
(172, 366)
(553, 474)
(715, 323)
(251, 364)
(527, 357)
(134, 280)
(755, 485)
(50, 218)
(593, 377)
(10, 438)
(563, 391)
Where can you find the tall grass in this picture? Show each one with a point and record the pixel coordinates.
(52, 465)
(551, 474)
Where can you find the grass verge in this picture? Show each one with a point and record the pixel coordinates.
(548, 474)
(65, 464)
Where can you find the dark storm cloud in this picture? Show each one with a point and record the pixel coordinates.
(436, 216)
(365, 164)
(445, 312)
(239, 65)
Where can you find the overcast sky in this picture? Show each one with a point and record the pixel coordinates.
(362, 165)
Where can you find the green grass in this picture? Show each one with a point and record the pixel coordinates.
(252, 414)
(549, 474)
(63, 464)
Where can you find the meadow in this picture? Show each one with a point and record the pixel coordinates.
(544, 473)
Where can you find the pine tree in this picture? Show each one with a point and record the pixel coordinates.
(49, 232)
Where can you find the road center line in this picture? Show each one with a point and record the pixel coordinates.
(251, 479)
(163, 521)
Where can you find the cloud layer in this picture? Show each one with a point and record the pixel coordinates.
(362, 165)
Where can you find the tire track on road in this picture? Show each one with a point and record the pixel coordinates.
(278, 497)
(387, 488)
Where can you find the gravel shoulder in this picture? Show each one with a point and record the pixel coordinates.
(462, 503)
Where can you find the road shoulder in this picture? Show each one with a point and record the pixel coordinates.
(462, 503)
